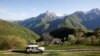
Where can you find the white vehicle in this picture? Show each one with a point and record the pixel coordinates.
(34, 49)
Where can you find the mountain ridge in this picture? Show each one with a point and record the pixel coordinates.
(47, 22)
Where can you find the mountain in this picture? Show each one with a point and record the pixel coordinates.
(75, 20)
(40, 23)
(93, 19)
(49, 21)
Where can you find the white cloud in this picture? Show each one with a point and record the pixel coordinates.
(59, 14)
(9, 15)
(34, 9)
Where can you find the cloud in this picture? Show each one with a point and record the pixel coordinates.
(58, 14)
(34, 9)
(9, 15)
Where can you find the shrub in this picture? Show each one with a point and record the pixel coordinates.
(87, 41)
(11, 42)
(80, 40)
(71, 39)
(94, 40)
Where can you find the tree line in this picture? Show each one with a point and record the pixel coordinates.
(72, 36)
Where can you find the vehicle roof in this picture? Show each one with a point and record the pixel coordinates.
(32, 45)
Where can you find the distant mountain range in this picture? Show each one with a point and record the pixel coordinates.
(47, 21)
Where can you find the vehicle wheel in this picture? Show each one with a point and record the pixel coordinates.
(41, 52)
(27, 52)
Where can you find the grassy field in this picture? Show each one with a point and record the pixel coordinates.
(81, 53)
(54, 51)
(65, 47)
(22, 55)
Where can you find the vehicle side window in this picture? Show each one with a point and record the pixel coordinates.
(36, 48)
(28, 48)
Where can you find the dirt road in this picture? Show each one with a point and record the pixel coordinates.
(47, 51)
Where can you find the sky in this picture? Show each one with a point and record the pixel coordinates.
(22, 9)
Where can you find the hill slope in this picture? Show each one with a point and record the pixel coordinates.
(9, 29)
(15, 36)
